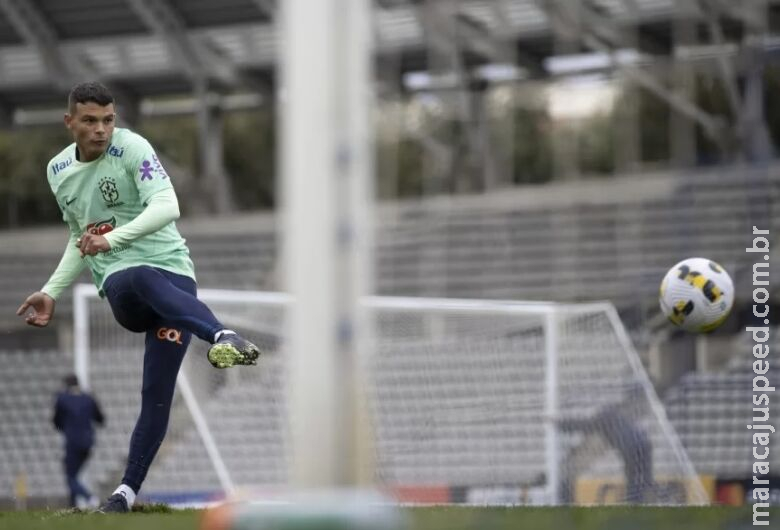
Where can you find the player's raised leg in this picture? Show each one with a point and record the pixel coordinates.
(173, 297)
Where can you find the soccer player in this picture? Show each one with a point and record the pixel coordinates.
(120, 207)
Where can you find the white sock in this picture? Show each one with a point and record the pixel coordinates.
(127, 492)
(218, 334)
(82, 502)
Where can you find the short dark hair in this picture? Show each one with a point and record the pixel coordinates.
(86, 92)
(70, 381)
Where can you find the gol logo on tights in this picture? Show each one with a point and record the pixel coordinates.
(169, 334)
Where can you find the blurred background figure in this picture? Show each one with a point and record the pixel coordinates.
(75, 413)
(615, 427)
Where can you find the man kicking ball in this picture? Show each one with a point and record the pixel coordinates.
(120, 207)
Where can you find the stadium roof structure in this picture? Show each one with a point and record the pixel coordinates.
(147, 48)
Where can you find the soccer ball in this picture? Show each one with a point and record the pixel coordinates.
(697, 295)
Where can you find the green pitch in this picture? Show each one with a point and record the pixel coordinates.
(435, 518)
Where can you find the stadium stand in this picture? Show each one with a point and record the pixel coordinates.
(711, 412)
(609, 246)
(29, 445)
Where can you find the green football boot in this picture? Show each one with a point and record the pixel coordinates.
(232, 349)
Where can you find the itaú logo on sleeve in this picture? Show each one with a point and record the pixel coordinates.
(169, 334)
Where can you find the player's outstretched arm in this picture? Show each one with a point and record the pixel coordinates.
(38, 309)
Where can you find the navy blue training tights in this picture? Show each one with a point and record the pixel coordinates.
(75, 458)
(165, 306)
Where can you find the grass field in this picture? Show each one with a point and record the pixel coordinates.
(435, 518)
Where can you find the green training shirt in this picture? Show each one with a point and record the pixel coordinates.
(110, 192)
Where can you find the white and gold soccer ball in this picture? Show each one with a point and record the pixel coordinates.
(697, 295)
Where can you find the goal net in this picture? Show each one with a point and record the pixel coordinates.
(468, 401)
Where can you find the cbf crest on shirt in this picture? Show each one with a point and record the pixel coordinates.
(111, 191)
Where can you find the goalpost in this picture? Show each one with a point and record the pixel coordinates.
(467, 397)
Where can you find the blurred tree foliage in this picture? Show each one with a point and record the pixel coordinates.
(403, 161)
(712, 98)
(533, 156)
(176, 136)
(772, 102)
(654, 118)
(25, 197)
(597, 142)
(400, 167)
(249, 151)
(250, 157)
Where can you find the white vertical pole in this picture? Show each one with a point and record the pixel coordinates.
(325, 165)
(81, 352)
(551, 410)
(204, 431)
(356, 229)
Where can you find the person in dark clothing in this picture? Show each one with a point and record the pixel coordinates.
(75, 413)
(621, 433)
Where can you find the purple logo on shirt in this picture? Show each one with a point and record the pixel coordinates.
(146, 170)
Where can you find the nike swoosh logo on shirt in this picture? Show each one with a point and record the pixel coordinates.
(68, 202)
